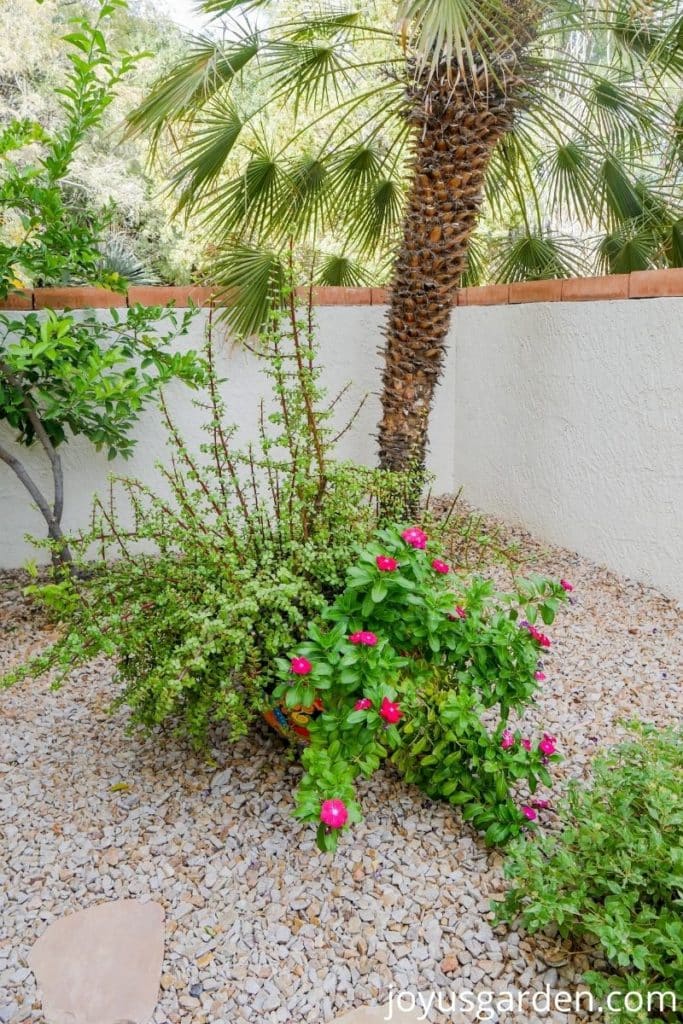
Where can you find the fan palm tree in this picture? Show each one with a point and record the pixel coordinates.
(436, 142)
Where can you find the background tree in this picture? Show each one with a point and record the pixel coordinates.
(420, 126)
(106, 175)
(62, 376)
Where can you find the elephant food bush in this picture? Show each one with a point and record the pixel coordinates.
(615, 876)
(195, 587)
(413, 663)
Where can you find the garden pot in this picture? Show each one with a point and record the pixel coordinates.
(292, 723)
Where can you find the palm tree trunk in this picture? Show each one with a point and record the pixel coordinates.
(457, 128)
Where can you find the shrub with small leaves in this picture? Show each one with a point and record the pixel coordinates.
(417, 663)
(615, 875)
(198, 596)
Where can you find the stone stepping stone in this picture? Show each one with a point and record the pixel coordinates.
(101, 965)
(380, 1015)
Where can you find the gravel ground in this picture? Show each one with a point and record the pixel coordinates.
(260, 927)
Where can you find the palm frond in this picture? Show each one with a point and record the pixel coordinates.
(206, 69)
(341, 271)
(537, 257)
(673, 244)
(567, 173)
(632, 246)
(207, 148)
(251, 280)
(465, 34)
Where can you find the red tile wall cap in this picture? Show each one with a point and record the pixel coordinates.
(486, 295)
(332, 296)
(640, 284)
(654, 284)
(77, 298)
(586, 289)
(535, 291)
(17, 300)
(181, 296)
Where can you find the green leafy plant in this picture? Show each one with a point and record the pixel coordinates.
(615, 873)
(247, 546)
(59, 240)
(65, 376)
(416, 663)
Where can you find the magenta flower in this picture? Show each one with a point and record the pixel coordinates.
(566, 585)
(526, 744)
(529, 813)
(365, 639)
(539, 676)
(542, 805)
(386, 564)
(439, 566)
(333, 813)
(507, 740)
(390, 712)
(539, 637)
(548, 745)
(458, 613)
(364, 704)
(301, 666)
(416, 537)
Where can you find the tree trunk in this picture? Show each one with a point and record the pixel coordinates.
(61, 555)
(457, 127)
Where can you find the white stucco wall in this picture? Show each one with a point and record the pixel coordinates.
(569, 419)
(566, 417)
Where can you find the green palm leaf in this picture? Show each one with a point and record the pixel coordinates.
(251, 281)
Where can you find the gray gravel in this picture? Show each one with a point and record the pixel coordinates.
(260, 927)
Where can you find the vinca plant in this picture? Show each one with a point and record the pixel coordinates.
(415, 663)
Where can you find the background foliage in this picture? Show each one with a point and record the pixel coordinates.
(615, 873)
(107, 172)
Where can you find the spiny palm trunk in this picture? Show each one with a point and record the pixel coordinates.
(457, 128)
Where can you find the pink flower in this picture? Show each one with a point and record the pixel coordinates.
(539, 676)
(526, 744)
(439, 566)
(458, 613)
(548, 745)
(390, 712)
(301, 666)
(542, 805)
(529, 813)
(333, 813)
(364, 704)
(507, 740)
(386, 564)
(539, 637)
(363, 638)
(566, 585)
(415, 537)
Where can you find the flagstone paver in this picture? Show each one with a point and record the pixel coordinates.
(101, 965)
